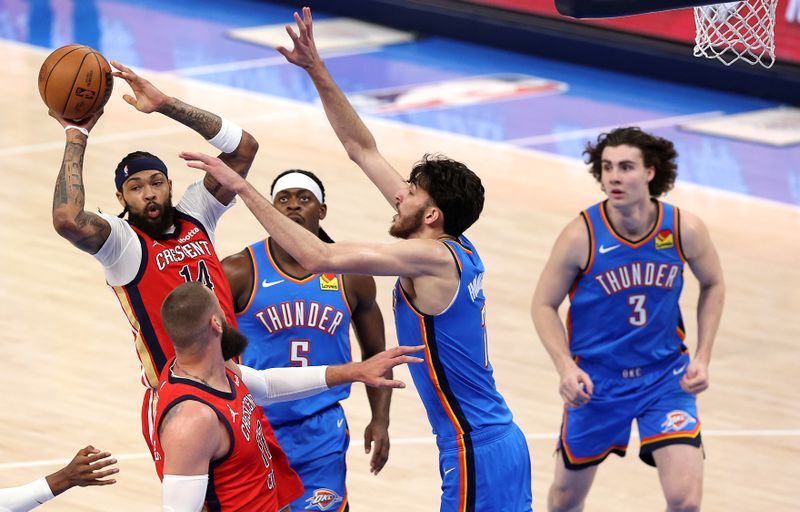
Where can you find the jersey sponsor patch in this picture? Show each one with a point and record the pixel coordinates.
(664, 239)
(323, 499)
(676, 421)
(329, 282)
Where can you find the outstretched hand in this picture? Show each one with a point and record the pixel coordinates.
(147, 96)
(304, 53)
(372, 371)
(218, 169)
(86, 468)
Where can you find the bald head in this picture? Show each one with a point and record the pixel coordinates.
(186, 312)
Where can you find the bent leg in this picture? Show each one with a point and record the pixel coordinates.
(680, 470)
(570, 487)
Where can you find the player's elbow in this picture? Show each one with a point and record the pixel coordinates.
(316, 260)
(248, 146)
(64, 223)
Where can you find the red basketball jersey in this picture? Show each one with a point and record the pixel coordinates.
(167, 262)
(244, 479)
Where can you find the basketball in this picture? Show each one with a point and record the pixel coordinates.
(75, 81)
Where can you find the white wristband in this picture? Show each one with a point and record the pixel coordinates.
(79, 128)
(228, 137)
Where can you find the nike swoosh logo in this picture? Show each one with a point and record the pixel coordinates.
(677, 371)
(267, 284)
(339, 423)
(604, 250)
(447, 471)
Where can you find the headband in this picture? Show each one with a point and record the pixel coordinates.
(145, 163)
(297, 180)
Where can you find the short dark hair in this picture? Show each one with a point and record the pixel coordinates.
(323, 235)
(657, 152)
(454, 189)
(185, 311)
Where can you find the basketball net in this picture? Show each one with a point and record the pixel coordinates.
(735, 31)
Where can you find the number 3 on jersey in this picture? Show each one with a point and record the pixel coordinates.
(202, 274)
(639, 314)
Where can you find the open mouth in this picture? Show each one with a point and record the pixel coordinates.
(153, 211)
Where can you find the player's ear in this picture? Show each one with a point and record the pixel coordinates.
(651, 173)
(323, 211)
(433, 215)
(121, 200)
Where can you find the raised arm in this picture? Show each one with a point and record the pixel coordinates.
(85, 230)
(368, 326)
(569, 255)
(408, 258)
(238, 147)
(704, 261)
(350, 129)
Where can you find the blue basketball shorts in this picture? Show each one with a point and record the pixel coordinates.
(317, 447)
(486, 471)
(665, 414)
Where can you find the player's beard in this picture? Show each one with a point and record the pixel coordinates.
(233, 342)
(405, 227)
(154, 228)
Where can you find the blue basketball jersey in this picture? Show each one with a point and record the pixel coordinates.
(295, 322)
(624, 310)
(455, 382)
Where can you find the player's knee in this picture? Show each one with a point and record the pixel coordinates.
(685, 503)
(564, 498)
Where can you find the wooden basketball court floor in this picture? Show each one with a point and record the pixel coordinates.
(70, 375)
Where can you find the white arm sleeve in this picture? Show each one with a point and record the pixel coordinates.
(25, 497)
(121, 254)
(198, 202)
(180, 493)
(283, 384)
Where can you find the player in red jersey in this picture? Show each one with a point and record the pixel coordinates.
(160, 245)
(211, 446)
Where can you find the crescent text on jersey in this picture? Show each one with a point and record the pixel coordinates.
(179, 253)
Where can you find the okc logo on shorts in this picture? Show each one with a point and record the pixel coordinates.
(677, 420)
(323, 499)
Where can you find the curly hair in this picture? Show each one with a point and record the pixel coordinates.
(454, 189)
(657, 152)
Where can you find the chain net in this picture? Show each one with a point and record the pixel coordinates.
(735, 31)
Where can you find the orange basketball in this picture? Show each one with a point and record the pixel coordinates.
(75, 81)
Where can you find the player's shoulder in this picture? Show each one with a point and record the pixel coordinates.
(190, 414)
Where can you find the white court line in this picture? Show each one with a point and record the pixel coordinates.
(134, 134)
(591, 133)
(574, 164)
(428, 440)
(258, 63)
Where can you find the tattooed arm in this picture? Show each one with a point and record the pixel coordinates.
(85, 230)
(149, 99)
